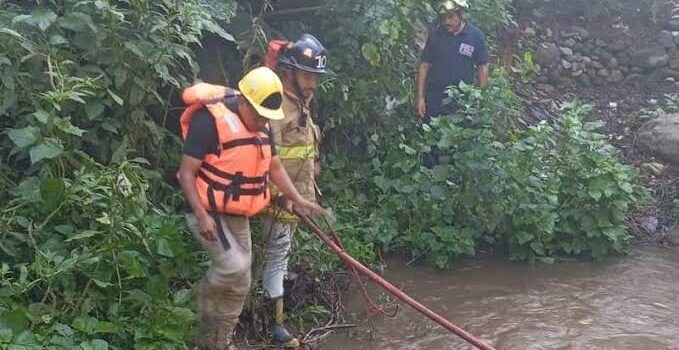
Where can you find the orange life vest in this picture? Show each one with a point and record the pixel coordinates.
(233, 180)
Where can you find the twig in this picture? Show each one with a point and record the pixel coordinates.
(291, 11)
(330, 328)
(51, 74)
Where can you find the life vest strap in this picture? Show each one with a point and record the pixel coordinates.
(258, 141)
(232, 177)
(234, 190)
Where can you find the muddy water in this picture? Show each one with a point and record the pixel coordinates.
(627, 303)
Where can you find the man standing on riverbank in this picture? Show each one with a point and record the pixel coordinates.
(296, 138)
(454, 49)
(228, 162)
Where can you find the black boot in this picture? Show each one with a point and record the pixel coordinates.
(280, 335)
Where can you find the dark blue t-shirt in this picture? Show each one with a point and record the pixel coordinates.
(453, 58)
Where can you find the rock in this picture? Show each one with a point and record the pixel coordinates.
(577, 57)
(616, 76)
(660, 136)
(673, 24)
(654, 168)
(674, 61)
(636, 70)
(538, 13)
(672, 238)
(584, 80)
(554, 77)
(530, 32)
(586, 59)
(605, 56)
(634, 79)
(546, 88)
(577, 32)
(567, 51)
(666, 39)
(651, 57)
(675, 35)
(578, 72)
(603, 73)
(649, 223)
(613, 63)
(600, 43)
(565, 64)
(617, 46)
(597, 65)
(570, 42)
(547, 55)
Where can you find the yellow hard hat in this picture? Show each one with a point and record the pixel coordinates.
(264, 90)
(452, 5)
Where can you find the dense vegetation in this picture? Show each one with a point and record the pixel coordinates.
(93, 250)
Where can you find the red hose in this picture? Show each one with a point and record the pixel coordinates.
(393, 290)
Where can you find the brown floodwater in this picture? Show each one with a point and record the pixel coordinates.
(626, 303)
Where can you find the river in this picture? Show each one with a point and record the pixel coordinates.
(625, 303)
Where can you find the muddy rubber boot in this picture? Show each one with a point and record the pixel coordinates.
(279, 335)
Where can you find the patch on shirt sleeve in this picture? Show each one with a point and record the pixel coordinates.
(466, 50)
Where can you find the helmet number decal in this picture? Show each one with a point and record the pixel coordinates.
(321, 61)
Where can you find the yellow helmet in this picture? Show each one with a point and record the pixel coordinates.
(452, 5)
(264, 90)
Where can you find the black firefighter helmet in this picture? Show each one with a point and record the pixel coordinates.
(307, 54)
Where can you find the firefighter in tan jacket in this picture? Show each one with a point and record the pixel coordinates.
(296, 138)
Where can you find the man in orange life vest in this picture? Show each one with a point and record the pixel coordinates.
(228, 162)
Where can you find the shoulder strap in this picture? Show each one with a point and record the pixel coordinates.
(231, 100)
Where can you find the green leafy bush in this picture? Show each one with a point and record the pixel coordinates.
(87, 263)
(90, 261)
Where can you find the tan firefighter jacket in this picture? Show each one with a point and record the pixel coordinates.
(297, 140)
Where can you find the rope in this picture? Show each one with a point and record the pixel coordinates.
(391, 289)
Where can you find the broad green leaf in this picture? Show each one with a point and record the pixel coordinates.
(63, 330)
(41, 19)
(64, 124)
(15, 319)
(24, 341)
(24, 137)
(48, 149)
(115, 97)
(592, 126)
(82, 235)
(79, 22)
(164, 248)
(181, 297)
(6, 335)
(100, 344)
(106, 327)
(53, 192)
(64, 229)
(86, 324)
(57, 40)
(102, 284)
(42, 116)
(371, 53)
(594, 194)
(94, 109)
(524, 237)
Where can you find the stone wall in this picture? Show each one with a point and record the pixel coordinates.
(576, 56)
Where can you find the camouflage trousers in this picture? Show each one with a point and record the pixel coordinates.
(222, 292)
